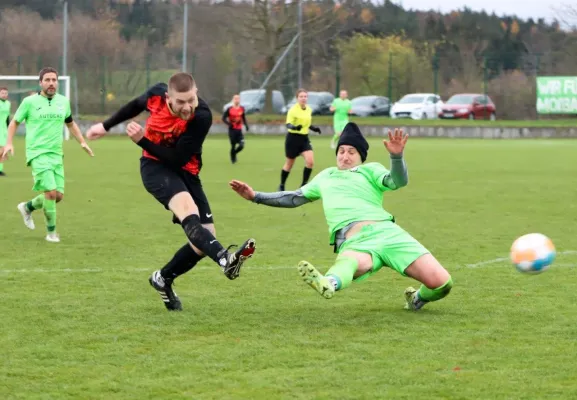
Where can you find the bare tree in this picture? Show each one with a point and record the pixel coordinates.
(271, 25)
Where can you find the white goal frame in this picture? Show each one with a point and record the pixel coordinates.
(65, 78)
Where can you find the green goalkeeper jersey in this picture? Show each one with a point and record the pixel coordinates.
(350, 195)
(4, 115)
(45, 119)
(342, 108)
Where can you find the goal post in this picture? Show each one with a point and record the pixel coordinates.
(20, 86)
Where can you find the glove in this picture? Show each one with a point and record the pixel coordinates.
(247, 128)
(294, 128)
(315, 129)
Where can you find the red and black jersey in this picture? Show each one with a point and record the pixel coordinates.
(235, 117)
(168, 138)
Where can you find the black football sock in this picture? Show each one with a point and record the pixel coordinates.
(203, 239)
(306, 175)
(239, 147)
(182, 262)
(283, 176)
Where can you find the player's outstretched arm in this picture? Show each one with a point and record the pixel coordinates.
(275, 199)
(398, 176)
(75, 131)
(130, 110)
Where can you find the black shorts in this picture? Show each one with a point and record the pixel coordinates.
(163, 183)
(235, 136)
(295, 144)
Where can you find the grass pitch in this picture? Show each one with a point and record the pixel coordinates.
(80, 321)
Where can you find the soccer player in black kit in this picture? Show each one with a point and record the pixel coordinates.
(170, 165)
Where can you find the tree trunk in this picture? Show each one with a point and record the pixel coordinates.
(268, 109)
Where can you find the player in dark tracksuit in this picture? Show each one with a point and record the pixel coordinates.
(235, 117)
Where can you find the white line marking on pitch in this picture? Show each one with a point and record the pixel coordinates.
(261, 268)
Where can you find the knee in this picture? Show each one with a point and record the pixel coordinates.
(192, 226)
(439, 278)
(51, 195)
(59, 197)
(288, 164)
(182, 205)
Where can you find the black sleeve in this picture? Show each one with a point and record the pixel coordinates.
(225, 117)
(7, 120)
(189, 143)
(134, 107)
(69, 119)
(291, 126)
(244, 118)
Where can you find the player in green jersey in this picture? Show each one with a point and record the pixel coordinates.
(341, 108)
(4, 116)
(45, 114)
(364, 235)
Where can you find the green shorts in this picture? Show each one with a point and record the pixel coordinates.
(388, 244)
(48, 173)
(339, 126)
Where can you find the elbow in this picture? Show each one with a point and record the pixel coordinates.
(402, 182)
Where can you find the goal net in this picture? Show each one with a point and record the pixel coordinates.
(21, 86)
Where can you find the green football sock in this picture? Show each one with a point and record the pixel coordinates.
(1, 167)
(336, 137)
(343, 272)
(36, 203)
(425, 294)
(50, 214)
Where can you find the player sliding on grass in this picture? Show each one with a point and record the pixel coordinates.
(170, 165)
(364, 235)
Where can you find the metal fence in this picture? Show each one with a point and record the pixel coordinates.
(105, 83)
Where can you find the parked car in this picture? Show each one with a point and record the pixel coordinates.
(417, 106)
(471, 106)
(319, 102)
(365, 106)
(253, 101)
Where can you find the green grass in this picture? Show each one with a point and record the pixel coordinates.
(81, 322)
(327, 120)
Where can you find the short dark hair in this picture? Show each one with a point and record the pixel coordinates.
(47, 70)
(181, 82)
(301, 90)
(3, 88)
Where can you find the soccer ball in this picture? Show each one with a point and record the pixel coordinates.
(532, 253)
